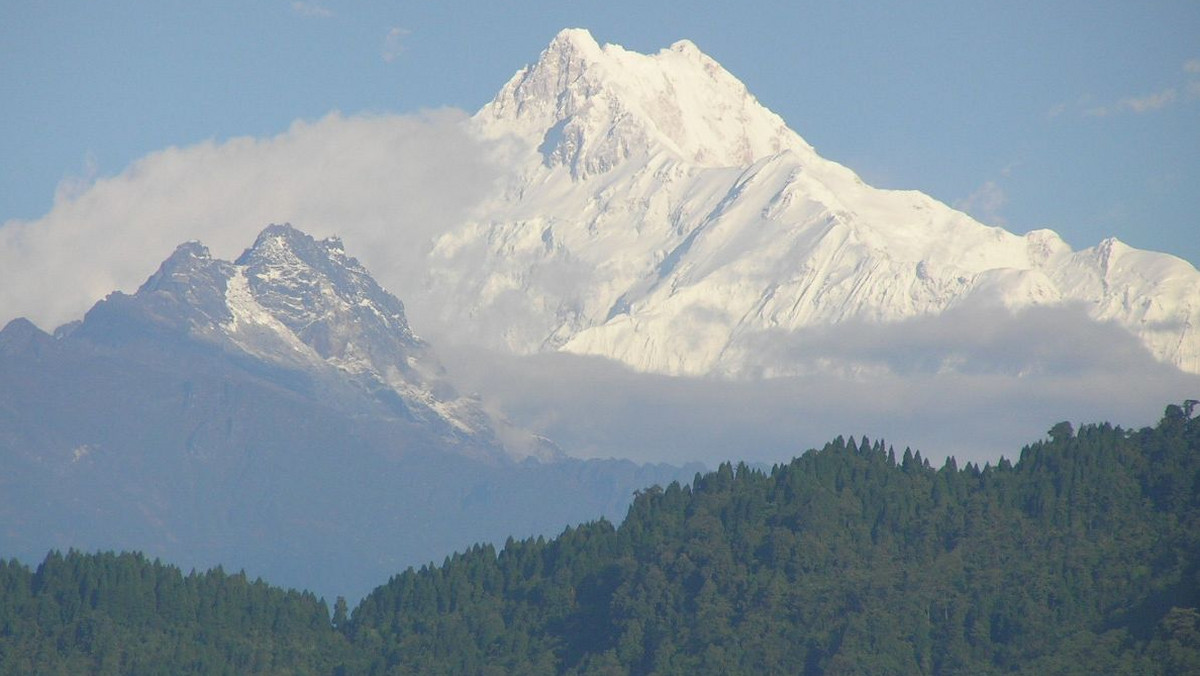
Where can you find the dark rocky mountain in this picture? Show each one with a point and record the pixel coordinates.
(275, 413)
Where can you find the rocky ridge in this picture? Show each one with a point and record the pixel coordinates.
(305, 306)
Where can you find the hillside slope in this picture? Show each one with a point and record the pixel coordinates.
(1082, 557)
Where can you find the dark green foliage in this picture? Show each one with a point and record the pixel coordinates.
(121, 614)
(1082, 557)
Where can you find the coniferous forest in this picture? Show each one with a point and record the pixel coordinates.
(1081, 557)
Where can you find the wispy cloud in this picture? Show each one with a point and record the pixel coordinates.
(1148, 103)
(1137, 104)
(1186, 90)
(986, 202)
(311, 8)
(1192, 89)
(393, 43)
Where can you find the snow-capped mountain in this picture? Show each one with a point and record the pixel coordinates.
(304, 305)
(657, 214)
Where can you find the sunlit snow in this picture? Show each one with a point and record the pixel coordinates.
(658, 215)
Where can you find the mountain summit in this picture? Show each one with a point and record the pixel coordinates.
(305, 307)
(594, 107)
(656, 214)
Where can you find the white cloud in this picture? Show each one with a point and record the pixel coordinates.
(1015, 376)
(986, 202)
(1137, 104)
(393, 43)
(310, 8)
(1148, 103)
(385, 183)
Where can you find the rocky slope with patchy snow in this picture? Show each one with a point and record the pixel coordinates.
(657, 214)
(305, 306)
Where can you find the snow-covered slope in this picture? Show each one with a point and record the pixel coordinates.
(657, 214)
(305, 306)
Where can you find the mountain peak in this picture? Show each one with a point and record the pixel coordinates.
(687, 47)
(292, 237)
(590, 108)
(305, 282)
(280, 242)
(189, 286)
(573, 42)
(279, 230)
(20, 336)
(185, 260)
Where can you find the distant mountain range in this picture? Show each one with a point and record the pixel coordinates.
(658, 215)
(275, 413)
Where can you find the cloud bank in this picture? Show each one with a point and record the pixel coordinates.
(385, 183)
(974, 384)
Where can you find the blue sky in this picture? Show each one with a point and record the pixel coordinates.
(1083, 117)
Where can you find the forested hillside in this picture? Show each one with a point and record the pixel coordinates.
(1082, 557)
(123, 614)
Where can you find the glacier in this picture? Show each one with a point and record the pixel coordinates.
(653, 212)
